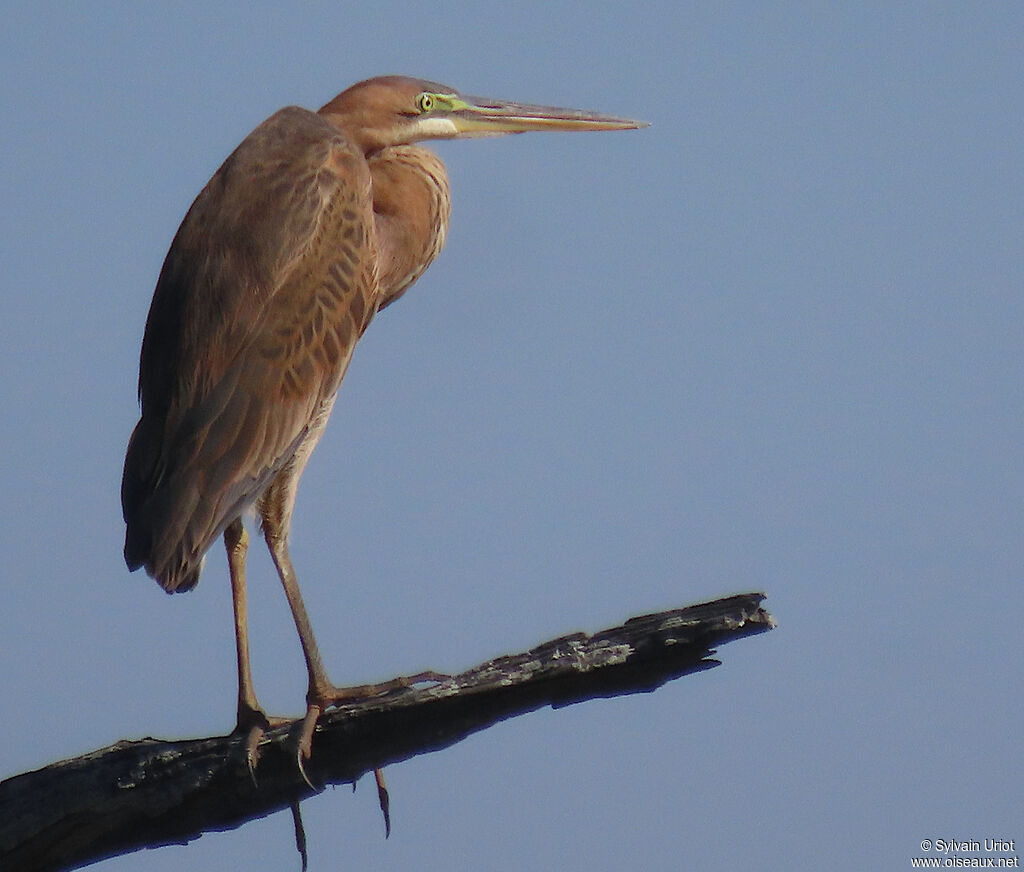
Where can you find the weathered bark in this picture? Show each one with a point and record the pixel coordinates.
(147, 793)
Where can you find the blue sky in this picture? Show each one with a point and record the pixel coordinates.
(771, 342)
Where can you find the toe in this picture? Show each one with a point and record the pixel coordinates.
(304, 748)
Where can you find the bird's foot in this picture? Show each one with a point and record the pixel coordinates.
(327, 695)
(253, 724)
(322, 695)
(305, 751)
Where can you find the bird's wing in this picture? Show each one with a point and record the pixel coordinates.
(268, 284)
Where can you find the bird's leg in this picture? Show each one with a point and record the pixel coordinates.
(322, 693)
(318, 694)
(252, 721)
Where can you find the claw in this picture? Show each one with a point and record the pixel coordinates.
(253, 724)
(252, 751)
(300, 834)
(305, 743)
(384, 799)
(302, 772)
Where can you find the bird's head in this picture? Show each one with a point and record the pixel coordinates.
(396, 110)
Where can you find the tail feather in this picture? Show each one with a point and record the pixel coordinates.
(156, 515)
(176, 569)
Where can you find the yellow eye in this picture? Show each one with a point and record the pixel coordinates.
(425, 102)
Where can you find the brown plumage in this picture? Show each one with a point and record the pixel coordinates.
(312, 225)
(275, 273)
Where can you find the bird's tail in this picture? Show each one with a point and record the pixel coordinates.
(153, 514)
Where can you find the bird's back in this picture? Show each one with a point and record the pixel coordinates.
(268, 284)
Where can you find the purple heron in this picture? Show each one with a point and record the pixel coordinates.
(312, 225)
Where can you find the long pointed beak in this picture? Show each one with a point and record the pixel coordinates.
(481, 116)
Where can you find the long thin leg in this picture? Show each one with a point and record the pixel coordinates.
(321, 692)
(252, 721)
(319, 685)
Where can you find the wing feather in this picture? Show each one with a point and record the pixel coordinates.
(261, 298)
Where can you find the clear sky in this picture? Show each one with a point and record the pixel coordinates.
(774, 341)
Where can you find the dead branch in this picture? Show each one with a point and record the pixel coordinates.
(147, 793)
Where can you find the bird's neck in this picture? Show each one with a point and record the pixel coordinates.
(411, 204)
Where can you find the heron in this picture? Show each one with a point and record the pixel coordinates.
(313, 224)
